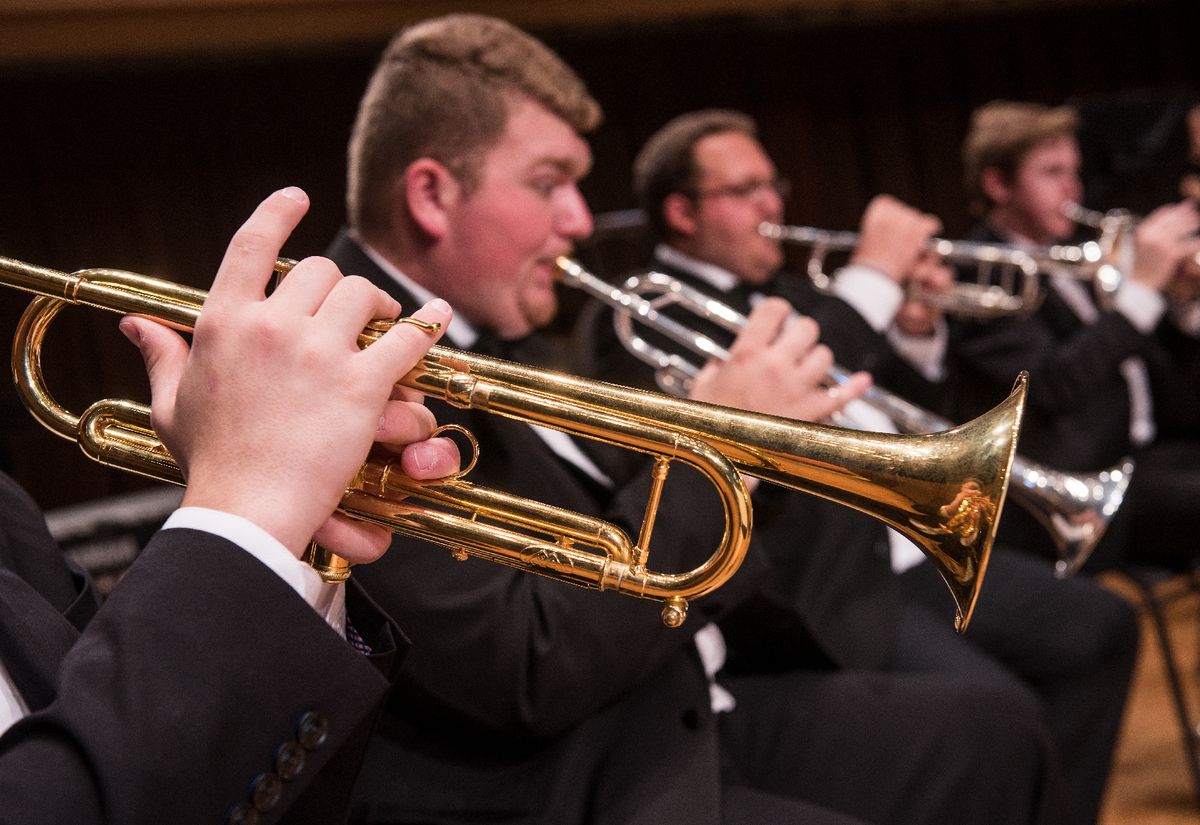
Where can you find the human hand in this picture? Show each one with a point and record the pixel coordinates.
(918, 316)
(892, 236)
(776, 367)
(274, 408)
(1164, 240)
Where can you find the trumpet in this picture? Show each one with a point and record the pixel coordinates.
(1006, 276)
(1074, 509)
(944, 491)
(1113, 247)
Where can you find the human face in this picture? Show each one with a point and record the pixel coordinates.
(1032, 205)
(727, 207)
(497, 265)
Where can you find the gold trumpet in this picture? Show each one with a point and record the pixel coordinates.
(944, 491)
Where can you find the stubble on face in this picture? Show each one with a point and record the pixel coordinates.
(526, 212)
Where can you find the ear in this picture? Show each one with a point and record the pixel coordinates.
(679, 214)
(429, 190)
(994, 185)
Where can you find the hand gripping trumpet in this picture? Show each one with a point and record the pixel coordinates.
(1075, 509)
(944, 491)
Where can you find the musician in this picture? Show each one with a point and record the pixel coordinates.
(1108, 379)
(1069, 646)
(526, 700)
(221, 681)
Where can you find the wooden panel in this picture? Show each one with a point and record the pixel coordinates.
(41, 30)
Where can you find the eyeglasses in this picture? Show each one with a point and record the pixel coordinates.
(750, 190)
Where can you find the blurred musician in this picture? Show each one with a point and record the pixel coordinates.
(222, 680)
(1069, 646)
(529, 701)
(1108, 379)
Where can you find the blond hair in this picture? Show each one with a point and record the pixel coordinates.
(1002, 133)
(443, 89)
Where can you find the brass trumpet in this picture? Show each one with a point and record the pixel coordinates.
(1075, 509)
(944, 491)
(1006, 276)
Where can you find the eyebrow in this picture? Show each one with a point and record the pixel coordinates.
(565, 165)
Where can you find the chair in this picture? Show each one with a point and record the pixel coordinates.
(1157, 588)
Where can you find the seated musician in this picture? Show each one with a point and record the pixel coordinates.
(222, 680)
(707, 185)
(1111, 372)
(526, 700)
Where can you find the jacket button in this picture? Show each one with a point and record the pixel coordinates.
(692, 719)
(289, 761)
(312, 730)
(242, 814)
(266, 791)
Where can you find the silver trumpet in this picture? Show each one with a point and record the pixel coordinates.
(1113, 247)
(1074, 509)
(1006, 276)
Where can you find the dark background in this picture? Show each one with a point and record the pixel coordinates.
(150, 164)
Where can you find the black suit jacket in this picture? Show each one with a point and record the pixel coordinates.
(255, 687)
(1078, 410)
(528, 700)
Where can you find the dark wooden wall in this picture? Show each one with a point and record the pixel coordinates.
(150, 165)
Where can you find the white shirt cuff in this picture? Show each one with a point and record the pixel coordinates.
(875, 296)
(329, 600)
(1139, 303)
(925, 353)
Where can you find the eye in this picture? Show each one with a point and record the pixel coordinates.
(545, 185)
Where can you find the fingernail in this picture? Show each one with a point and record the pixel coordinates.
(382, 422)
(439, 306)
(294, 193)
(130, 330)
(424, 455)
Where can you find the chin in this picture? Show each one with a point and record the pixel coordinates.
(540, 313)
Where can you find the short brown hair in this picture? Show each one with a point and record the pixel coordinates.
(443, 89)
(667, 162)
(1001, 135)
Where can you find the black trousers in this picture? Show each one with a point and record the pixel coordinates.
(889, 748)
(1068, 645)
(1164, 505)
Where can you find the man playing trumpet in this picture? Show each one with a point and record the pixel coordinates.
(222, 681)
(530, 701)
(1108, 378)
(1066, 647)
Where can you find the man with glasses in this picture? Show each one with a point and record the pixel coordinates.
(866, 594)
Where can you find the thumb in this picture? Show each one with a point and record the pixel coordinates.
(165, 354)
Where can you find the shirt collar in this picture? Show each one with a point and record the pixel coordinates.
(460, 332)
(721, 278)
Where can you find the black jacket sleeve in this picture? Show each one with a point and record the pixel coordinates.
(203, 687)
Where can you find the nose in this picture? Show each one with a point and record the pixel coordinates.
(574, 219)
(1074, 187)
(771, 204)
